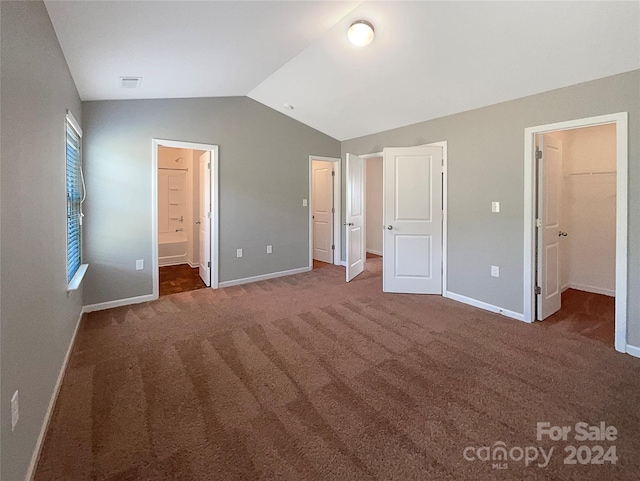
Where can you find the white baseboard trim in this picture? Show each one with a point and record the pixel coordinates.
(118, 303)
(35, 457)
(594, 290)
(263, 277)
(178, 263)
(172, 261)
(483, 305)
(371, 251)
(633, 350)
(343, 263)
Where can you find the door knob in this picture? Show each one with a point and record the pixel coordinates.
(389, 227)
(197, 222)
(349, 223)
(562, 234)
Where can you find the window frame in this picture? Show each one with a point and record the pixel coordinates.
(73, 279)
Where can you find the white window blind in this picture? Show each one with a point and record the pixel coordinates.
(75, 193)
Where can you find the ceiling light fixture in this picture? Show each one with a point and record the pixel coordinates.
(360, 33)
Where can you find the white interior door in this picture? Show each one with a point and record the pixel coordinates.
(355, 216)
(549, 204)
(322, 213)
(204, 217)
(412, 243)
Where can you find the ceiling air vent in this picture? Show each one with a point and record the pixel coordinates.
(130, 82)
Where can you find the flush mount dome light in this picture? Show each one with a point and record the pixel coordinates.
(360, 33)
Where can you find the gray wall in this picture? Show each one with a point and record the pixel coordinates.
(38, 318)
(486, 163)
(264, 168)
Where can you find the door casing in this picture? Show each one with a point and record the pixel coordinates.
(337, 196)
(530, 201)
(214, 149)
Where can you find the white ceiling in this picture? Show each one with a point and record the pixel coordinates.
(428, 59)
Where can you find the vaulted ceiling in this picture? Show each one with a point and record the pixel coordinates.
(428, 59)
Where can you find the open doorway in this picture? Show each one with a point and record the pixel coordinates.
(413, 225)
(324, 211)
(576, 246)
(185, 216)
(178, 213)
(578, 235)
(373, 208)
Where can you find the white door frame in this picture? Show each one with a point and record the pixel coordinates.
(154, 207)
(445, 183)
(620, 120)
(337, 254)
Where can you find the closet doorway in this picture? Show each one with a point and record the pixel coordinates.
(577, 206)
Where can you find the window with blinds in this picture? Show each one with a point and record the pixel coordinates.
(74, 197)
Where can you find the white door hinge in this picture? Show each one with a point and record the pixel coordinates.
(538, 222)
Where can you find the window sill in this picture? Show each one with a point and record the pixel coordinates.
(74, 283)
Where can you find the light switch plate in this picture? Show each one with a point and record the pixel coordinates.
(495, 206)
(495, 271)
(239, 253)
(269, 249)
(304, 202)
(139, 264)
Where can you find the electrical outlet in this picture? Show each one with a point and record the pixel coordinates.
(15, 410)
(495, 271)
(304, 202)
(239, 253)
(495, 207)
(269, 249)
(139, 264)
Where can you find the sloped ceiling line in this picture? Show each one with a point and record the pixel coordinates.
(428, 59)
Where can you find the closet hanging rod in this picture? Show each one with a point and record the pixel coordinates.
(171, 168)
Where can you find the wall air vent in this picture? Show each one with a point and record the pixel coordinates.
(130, 82)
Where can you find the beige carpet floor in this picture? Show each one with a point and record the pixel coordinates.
(308, 378)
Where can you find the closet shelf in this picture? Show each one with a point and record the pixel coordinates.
(591, 173)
